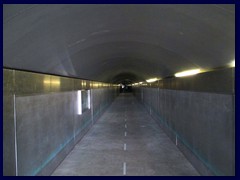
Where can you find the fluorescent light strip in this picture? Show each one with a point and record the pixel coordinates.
(152, 80)
(187, 73)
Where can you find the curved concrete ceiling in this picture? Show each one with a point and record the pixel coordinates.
(116, 43)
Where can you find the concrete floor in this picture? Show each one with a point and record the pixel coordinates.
(125, 141)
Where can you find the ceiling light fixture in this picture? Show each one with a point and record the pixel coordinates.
(152, 80)
(187, 73)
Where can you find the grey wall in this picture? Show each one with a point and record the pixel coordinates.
(202, 124)
(47, 124)
(101, 99)
(9, 126)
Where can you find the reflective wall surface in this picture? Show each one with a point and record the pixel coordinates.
(41, 122)
(219, 81)
(9, 158)
(200, 122)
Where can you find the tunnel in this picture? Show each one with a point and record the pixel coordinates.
(119, 89)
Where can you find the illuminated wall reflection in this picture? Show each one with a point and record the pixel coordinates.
(52, 82)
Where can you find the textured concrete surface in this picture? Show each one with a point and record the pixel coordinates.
(125, 141)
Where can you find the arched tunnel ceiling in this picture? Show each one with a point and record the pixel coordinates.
(114, 43)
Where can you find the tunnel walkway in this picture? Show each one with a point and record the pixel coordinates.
(125, 141)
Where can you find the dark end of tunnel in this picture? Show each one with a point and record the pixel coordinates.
(125, 81)
(125, 88)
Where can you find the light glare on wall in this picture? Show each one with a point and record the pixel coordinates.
(79, 102)
(232, 64)
(53, 82)
(187, 73)
(152, 80)
(89, 100)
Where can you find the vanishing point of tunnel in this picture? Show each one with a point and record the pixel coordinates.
(119, 89)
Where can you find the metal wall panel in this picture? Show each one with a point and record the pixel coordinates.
(220, 81)
(47, 121)
(61, 84)
(8, 124)
(27, 83)
(77, 84)
(45, 126)
(203, 122)
(101, 100)
(48, 124)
